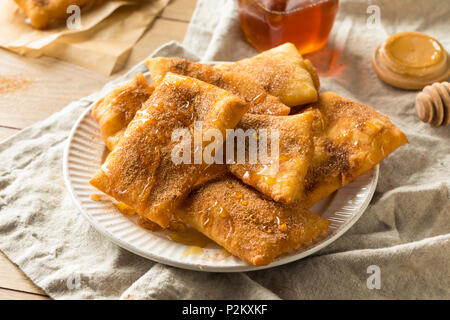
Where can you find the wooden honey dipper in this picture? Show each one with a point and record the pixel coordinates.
(433, 104)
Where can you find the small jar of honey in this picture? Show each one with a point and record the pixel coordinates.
(305, 23)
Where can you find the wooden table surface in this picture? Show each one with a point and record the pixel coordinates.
(45, 85)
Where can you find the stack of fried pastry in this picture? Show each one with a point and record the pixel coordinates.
(254, 211)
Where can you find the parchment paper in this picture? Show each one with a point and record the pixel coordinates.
(107, 34)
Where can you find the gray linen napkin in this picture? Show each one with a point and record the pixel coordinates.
(404, 234)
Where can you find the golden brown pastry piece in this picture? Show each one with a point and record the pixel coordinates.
(246, 224)
(43, 12)
(239, 84)
(349, 139)
(140, 171)
(283, 73)
(115, 111)
(281, 178)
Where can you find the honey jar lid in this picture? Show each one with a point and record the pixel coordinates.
(411, 60)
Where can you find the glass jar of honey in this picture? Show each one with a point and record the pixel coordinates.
(305, 23)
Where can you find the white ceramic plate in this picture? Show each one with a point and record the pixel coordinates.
(83, 157)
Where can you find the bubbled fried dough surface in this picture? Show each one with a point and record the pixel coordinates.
(241, 85)
(43, 12)
(115, 111)
(246, 224)
(349, 139)
(140, 171)
(282, 72)
(282, 181)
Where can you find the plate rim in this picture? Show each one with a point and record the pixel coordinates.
(198, 267)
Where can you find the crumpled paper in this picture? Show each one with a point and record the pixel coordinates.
(102, 43)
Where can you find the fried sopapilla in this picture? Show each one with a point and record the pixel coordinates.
(281, 175)
(43, 13)
(115, 111)
(282, 72)
(241, 85)
(246, 224)
(349, 139)
(140, 171)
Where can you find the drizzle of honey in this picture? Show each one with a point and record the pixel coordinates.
(177, 226)
(230, 229)
(193, 250)
(105, 169)
(190, 237)
(269, 180)
(260, 97)
(217, 209)
(238, 195)
(225, 252)
(267, 174)
(269, 23)
(148, 224)
(281, 225)
(96, 197)
(205, 218)
(124, 208)
(175, 80)
(221, 111)
(223, 214)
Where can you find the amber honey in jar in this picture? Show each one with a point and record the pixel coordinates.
(269, 23)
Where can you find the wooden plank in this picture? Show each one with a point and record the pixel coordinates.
(162, 31)
(6, 294)
(33, 89)
(179, 10)
(11, 277)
